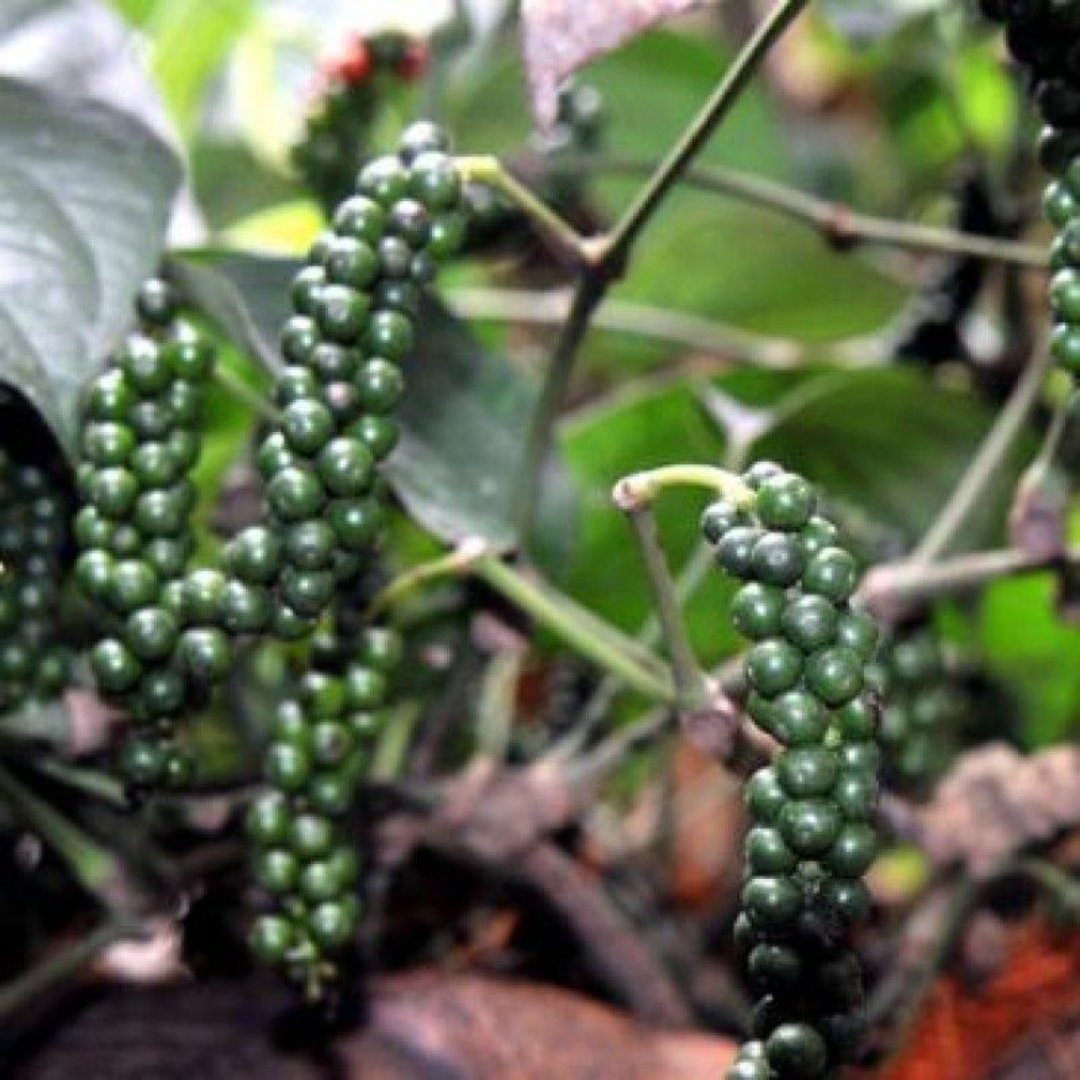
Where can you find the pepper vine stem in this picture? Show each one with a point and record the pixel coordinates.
(618, 244)
(839, 225)
(604, 259)
(592, 637)
(57, 969)
(582, 631)
(891, 590)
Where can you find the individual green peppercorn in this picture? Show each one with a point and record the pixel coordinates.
(772, 903)
(807, 771)
(832, 573)
(114, 665)
(796, 1050)
(205, 654)
(271, 938)
(756, 610)
(767, 853)
(809, 622)
(734, 551)
(773, 667)
(717, 519)
(834, 675)
(785, 501)
(809, 826)
(295, 494)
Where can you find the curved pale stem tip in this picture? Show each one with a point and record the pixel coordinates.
(634, 492)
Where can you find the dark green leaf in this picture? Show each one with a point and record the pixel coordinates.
(86, 194)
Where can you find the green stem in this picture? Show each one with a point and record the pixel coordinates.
(603, 261)
(639, 489)
(715, 109)
(492, 173)
(577, 628)
(91, 865)
(549, 307)
(987, 462)
(453, 564)
(690, 688)
(236, 387)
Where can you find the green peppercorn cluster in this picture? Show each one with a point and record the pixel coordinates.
(355, 87)
(355, 306)
(812, 809)
(304, 860)
(34, 663)
(1042, 35)
(139, 442)
(926, 706)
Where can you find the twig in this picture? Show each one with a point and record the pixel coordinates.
(930, 937)
(605, 259)
(616, 951)
(891, 590)
(490, 172)
(986, 463)
(697, 135)
(579, 628)
(840, 225)
(453, 564)
(691, 691)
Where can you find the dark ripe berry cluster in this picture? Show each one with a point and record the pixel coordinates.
(1044, 36)
(926, 707)
(34, 665)
(355, 306)
(812, 809)
(353, 88)
(139, 442)
(304, 860)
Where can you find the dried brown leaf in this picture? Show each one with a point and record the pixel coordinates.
(418, 1026)
(559, 36)
(997, 802)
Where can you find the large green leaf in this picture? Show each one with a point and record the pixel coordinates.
(463, 415)
(1039, 655)
(888, 444)
(893, 444)
(659, 423)
(85, 194)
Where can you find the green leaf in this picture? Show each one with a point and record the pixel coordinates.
(191, 40)
(884, 443)
(246, 296)
(893, 444)
(86, 194)
(1026, 642)
(658, 423)
(462, 417)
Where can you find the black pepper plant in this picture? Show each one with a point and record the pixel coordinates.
(356, 672)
